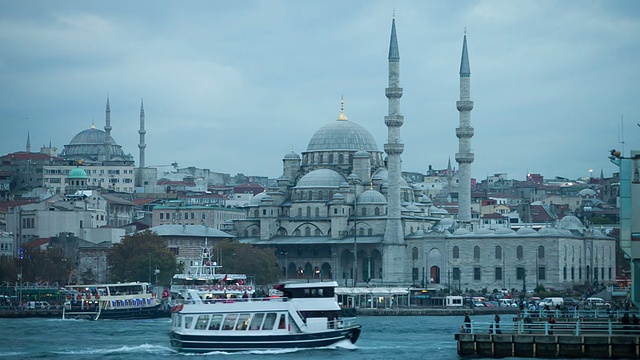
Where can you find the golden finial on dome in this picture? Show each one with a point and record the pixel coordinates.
(93, 124)
(342, 116)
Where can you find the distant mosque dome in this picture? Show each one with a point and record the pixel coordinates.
(504, 231)
(371, 197)
(321, 178)
(89, 145)
(257, 199)
(571, 222)
(292, 156)
(342, 135)
(526, 231)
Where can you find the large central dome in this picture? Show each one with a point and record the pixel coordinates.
(342, 135)
(90, 137)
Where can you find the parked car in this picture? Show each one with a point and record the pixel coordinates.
(595, 302)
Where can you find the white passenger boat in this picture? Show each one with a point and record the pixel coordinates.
(133, 300)
(206, 278)
(307, 316)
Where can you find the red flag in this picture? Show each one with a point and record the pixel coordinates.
(224, 279)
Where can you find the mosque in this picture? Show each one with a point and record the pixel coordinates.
(341, 210)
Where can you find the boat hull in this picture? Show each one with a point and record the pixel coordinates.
(197, 343)
(148, 312)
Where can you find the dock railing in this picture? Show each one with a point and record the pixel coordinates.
(608, 327)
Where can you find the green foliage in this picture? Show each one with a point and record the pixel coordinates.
(239, 258)
(138, 256)
(39, 265)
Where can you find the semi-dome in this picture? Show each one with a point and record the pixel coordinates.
(383, 175)
(321, 178)
(257, 199)
(587, 193)
(371, 197)
(571, 222)
(342, 135)
(77, 173)
(526, 231)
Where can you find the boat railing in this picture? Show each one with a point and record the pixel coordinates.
(602, 312)
(575, 328)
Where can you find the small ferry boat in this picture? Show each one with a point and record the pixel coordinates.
(112, 301)
(210, 283)
(307, 316)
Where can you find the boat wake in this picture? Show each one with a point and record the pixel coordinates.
(344, 344)
(139, 349)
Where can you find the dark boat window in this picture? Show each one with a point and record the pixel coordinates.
(256, 321)
(216, 320)
(187, 322)
(282, 324)
(269, 321)
(327, 292)
(203, 320)
(243, 322)
(230, 321)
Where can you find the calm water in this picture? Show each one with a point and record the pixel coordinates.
(401, 337)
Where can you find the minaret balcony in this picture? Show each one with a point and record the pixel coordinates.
(465, 158)
(464, 132)
(394, 120)
(394, 149)
(393, 92)
(464, 105)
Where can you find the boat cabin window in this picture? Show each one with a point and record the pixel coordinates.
(310, 293)
(230, 321)
(282, 324)
(243, 322)
(269, 321)
(216, 320)
(256, 321)
(203, 320)
(176, 321)
(187, 322)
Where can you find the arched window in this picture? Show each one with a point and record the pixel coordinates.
(476, 253)
(296, 232)
(370, 232)
(320, 195)
(308, 211)
(307, 231)
(246, 233)
(254, 232)
(519, 252)
(317, 212)
(256, 213)
(363, 211)
(376, 211)
(321, 158)
(317, 232)
(414, 253)
(361, 231)
(498, 252)
(340, 159)
(456, 252)
(299, 212)
(330, 158)
(540, 252)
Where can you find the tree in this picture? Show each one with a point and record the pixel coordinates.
(239, 258)
(39, 265)
(138, 256)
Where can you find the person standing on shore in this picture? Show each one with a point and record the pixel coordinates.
(496, 328)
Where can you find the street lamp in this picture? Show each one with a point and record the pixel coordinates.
(156, 272)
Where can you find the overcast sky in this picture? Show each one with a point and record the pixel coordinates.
(234, 86)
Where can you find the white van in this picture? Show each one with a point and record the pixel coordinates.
(32, 305)
(507, 302)
(552, 302)
(594, 302)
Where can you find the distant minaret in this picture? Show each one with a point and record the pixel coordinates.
(142, 132)
(449, 178)
(393, 250)
(28, 141)
(107, 130)
(464, 132)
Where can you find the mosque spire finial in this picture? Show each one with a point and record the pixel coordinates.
(342, 116)
(28, 141)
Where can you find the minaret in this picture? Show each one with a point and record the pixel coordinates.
(28, 141)
(142, 132)
(464, 132)
(107, 130)
(394, 236)
(449, 178)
